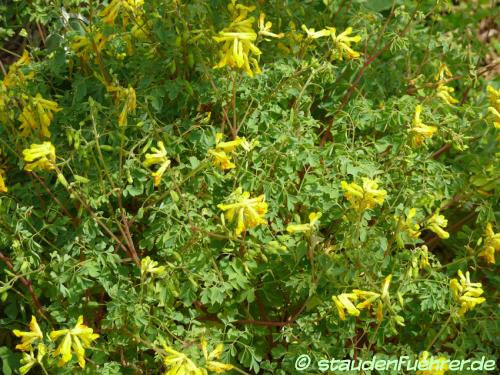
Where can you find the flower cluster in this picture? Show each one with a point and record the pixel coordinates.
(442, 91)
(38, 114)
(158, 157)
(77, 339)
(3, 187)
(40, 156)
(419, 130)
(307, 228)
(363, 197)
(436, 223)
(178, 363)
(494, 107)
(245, 211)
(342, 42)
(223, 150)
(149, 266)
(407, 225)
(115, 7)
(491, 244)
(364, 300)
(466, 292)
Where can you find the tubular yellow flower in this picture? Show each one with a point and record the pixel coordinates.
(178, 363)
(491, 244)
(29, 360)
(494, 107)
(343, 43)
(368, 298)
(313, 222)
(86, 45)
(30, 337)
(150, 266)
(419, 130)
(346, 299)
(407, 225)
(444, 92)
(442, 73)
(245, 211)
(37, 114)
(40, 156)
(229, 146)
(3, 187)
(238, 40)
(363, 197)
(340, 307)
(221, 160)
(15, 75)
(466, 293)
(159, 157)
(129, 106)
(424, 257)
(210, 364)
(265, 27)
(110, 13)
(78, 338)
(385, 287)
(436, 223)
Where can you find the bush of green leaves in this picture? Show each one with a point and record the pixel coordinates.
(192, 187)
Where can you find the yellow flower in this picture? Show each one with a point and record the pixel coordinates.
(110, 13)
(178, 363)
(79, 338)
(129, 105)
(15, 75)
(437, 366)
(221, 160)
(3, 187)
(368, 298)
(222, 151)
(494, 107)
(37, 114)
(363, 197)
(159, 157)
(419, 130)
(86, 45)
(28, 338)
(442, 73)
(315, 34)
(29, 360)
(245, 211)
(407, 225)
(344, 302)
(238, 40)
(424, 257)
(466, 292)
(491, 244)
(210, 364)
(436, 223)
(313, 222)
(40, 156)
(444, 92)
(150, 266)
(265, 28)
(342, 41)
(385, 287)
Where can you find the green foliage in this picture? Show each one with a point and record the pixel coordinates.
(73, 235)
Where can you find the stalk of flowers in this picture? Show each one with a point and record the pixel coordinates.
(28, 341)
(491, 244)
(442, 91)
(363, 197)
(342, 42)
(37, 115)
(40, 156)
(466, 293)
(158, 157)
(128, 96)
(420, 131)
(246, 212)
